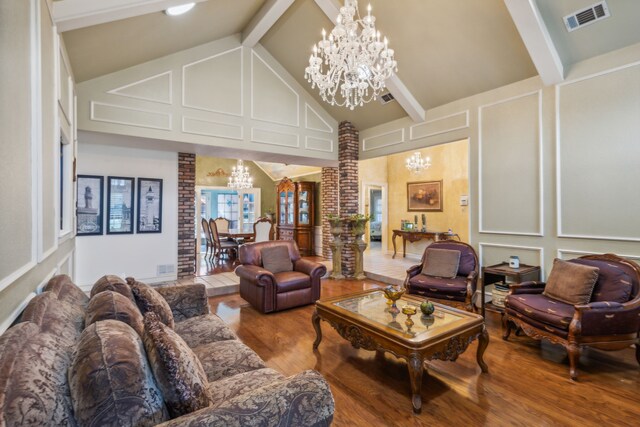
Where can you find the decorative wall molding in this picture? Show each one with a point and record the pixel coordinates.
(481, 228)
(15, 313)
(196, 126)
(558, 121)
(318, 144)
(562, 252)
(327, 128)
(272, 137)
(387, 139)
(414, 131)
(540, 251)
(254, 87)
(43, 283)
(96, 105)
(121, 91)
(209, 58)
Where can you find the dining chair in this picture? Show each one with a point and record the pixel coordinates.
(208, 237)
(222, 224)
(263, 230)
(222, 245)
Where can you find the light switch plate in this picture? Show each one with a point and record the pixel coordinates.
(464, 200)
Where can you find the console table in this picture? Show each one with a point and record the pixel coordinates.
(414, 236)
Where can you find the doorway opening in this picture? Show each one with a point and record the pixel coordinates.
(374, 204)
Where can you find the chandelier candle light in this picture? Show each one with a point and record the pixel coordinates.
(352, 58)
(240, 178)
(416, 162)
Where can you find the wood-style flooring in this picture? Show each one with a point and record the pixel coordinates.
(527, 384)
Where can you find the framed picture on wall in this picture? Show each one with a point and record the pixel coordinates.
(90, 205)
(425, 196)
(119, 205)
(149, 205)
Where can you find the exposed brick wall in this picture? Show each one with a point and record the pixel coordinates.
(330, 205)
(348, 142)
(186, 214)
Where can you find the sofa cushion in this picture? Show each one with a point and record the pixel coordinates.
(563, 333)
(54, 316)
(112, 283)
(235, 385)
(614, 283)
(276, 259)
(149, 300)
(467, 255)
(570, 282)
(111, 381)
(224, 359)
(112, 305)
(288, 281)
(67, 291)
(542, 308)
(437, 287)
(177, 369)
(33, 378)
(441, 263)
(200, 330)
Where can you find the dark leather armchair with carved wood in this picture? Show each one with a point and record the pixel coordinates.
(268, 292)
(610, 321)
(458, 291)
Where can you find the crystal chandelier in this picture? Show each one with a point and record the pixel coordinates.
(240, 178)
(352, 59)
(416, 163)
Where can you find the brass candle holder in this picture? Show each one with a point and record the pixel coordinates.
(409, 310)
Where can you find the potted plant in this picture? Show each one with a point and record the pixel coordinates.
(336, 224)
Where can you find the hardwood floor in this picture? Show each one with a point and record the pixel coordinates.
(527, 384)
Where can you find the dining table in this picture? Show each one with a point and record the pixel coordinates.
(236, 233)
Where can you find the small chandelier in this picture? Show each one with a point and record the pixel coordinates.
(240, 178)
(416, 163)
(352, 59)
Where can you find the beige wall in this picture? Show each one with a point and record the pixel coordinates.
(450, 163)
(552, 169)
(32, 248)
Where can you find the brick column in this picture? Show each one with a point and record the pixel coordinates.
(330, 205)
(348, 141)
(186, 214)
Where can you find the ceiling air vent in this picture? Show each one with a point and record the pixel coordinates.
(586, 16)
(386, 98)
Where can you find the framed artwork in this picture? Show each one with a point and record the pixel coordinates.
(89, 206)
(149, 205)
(119, 205)
(424, 196)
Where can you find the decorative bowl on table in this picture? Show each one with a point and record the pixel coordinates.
(393, 294)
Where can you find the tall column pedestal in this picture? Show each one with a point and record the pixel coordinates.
(358, 248)
(336, 253)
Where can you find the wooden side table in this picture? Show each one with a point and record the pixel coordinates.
(500, 272)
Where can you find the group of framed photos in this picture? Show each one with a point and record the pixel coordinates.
(121, 213)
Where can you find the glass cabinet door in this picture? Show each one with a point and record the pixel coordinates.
(290, 208)
(283, 207)
(303, 208)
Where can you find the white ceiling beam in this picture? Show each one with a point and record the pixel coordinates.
(266, 17)
(536, 38)
(399, 91)
(74, 14)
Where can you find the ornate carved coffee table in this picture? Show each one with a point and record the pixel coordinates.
(368, 322)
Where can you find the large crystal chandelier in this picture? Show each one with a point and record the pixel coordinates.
(240, 178)
(352, 59)
(416, 162)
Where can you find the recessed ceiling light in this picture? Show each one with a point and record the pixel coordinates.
(179, 10)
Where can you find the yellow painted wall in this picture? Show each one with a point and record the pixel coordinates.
(450, 163)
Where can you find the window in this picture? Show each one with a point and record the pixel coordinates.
(66, 192)
(228, 208)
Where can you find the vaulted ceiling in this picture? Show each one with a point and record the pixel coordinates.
(446, 49)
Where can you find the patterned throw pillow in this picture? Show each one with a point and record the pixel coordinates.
(276, 259)
(571, 283)
(112, 305)
(177, 369)
(150, 300)
(112, 283)
(110, 379)
(441, 263)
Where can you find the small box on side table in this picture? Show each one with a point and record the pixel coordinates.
(503, 273)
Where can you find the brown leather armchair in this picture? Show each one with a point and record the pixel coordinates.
(610, 321)
(268, 292)
(458, 291)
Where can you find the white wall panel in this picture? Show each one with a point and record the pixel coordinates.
(510, 163)
(211, 128)
(272, 100)
(385, 139)
(495, 253)
(157, 88)
(440, 125)
(117, 114)
(271, 137)
(598, 124)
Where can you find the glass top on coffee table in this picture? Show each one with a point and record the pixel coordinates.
(373, 306)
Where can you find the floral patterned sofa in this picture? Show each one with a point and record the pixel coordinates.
(135, 355)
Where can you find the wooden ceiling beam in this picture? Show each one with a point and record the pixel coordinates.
(398, 89)
(536, 38)
(266, 17)
(73, 14)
